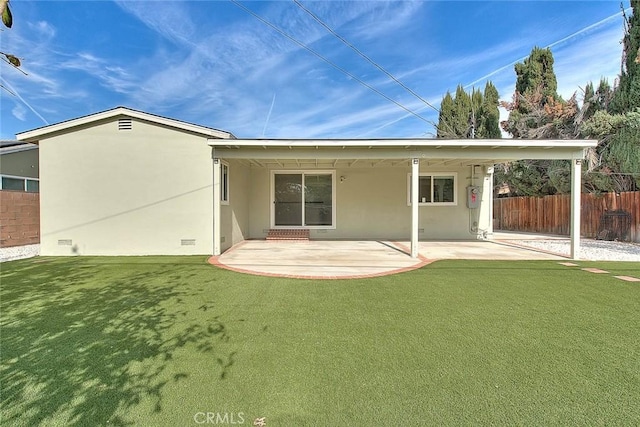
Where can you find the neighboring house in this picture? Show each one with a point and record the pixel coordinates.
(19, 201)
(18, 166)
(127, 182)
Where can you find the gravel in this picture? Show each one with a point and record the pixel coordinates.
(593, 250)
(19, 252)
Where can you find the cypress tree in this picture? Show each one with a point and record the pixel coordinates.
(475, 116)
(536, 73)
(536, 86)
(472, 115)
(445, 118)
(490, 125)
(462, 113)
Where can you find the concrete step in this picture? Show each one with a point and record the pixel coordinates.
(288, 234)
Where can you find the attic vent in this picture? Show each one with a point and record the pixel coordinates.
(188, 242)
(64, 242)
(125, 124)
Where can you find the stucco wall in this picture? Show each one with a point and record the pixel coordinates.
(22, 163)
(372, 204)
(136, 192)
(234, 217)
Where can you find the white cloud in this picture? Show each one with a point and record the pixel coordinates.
(43, 29)
(241, 67)
(226, 73)
(170, 19)
(113, 77)
(19, 112)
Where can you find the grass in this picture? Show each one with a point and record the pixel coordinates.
(157, 340)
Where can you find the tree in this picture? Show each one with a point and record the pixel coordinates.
(627, 94)
(462, 113)
(445, 117)
(5, 11)
(595, 100)
(490, 116)
(7, 20)
(610, 115)
(618, 152)
(9, 58)
(472, 115)
(613, 117)
(535, 96)
(538, 112)
(537, 72)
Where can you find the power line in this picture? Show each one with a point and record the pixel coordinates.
(334, 65)
(368, 59)
(378, 66)
(363, 55)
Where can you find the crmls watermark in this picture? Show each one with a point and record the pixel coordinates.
(219, 418)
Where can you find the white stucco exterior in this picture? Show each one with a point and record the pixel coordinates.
(152, 185)
(141, 191)
(373, 204)
(372, 196)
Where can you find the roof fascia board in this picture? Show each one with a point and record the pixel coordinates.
(398, 153)
(120, 111)
(18, 149)
(409, 143)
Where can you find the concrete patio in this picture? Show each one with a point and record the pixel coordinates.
(330, 259)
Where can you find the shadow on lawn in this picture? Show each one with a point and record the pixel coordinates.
(81, 350)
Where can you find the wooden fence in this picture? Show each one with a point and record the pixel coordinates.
(551, 214)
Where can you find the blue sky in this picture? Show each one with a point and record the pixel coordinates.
(214, 64)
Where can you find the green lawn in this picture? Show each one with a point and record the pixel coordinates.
(156, 341)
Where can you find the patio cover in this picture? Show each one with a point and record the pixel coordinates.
(409, 152)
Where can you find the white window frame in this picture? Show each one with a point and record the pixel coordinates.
(334, 201)
(24, 182)
(432, 175)
(224, 184)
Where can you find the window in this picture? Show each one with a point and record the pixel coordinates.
(224, 183)
(12, 184)
(435, 189)
(33, 186)
(16, 183)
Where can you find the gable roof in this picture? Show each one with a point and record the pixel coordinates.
(36, 134)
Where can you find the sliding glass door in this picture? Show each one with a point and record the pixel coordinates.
(303, 199)
(288, 199)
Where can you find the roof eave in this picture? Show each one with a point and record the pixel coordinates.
(406, 143)
(36, 134)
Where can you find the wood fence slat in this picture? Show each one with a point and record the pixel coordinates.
(551, 214)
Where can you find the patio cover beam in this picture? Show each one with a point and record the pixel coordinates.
(403, 143)
(358, 153)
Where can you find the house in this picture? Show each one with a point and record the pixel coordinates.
(19, 166)
(125, 182)
(19, 199)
